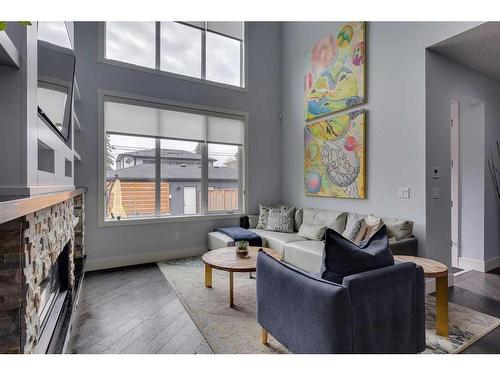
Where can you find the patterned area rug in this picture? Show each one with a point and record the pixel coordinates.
(236, 331)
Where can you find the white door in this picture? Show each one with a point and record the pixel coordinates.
(189, 200)
(455, 177)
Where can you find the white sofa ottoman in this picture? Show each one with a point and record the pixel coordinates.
(216, 240)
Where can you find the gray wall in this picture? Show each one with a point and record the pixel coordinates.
(445, 80)
(127, 244)
(395, 121)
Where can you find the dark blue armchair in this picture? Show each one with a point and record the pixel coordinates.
(378, 311)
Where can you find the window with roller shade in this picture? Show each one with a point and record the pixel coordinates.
(209, 51)
(167, 161)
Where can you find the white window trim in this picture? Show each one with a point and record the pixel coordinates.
(102, 95)
(101, 58)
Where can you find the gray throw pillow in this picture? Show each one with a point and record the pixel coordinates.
(263, 216)
(299, 218)
(253, 220)
(281, 219)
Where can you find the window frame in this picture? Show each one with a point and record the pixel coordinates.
(109, 95)
(101, 58)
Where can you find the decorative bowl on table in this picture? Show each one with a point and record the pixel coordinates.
(241, 248)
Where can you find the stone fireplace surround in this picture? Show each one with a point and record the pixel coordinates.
(29, 246)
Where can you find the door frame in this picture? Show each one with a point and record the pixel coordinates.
(455, 181)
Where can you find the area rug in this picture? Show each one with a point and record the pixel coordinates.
(235, 330)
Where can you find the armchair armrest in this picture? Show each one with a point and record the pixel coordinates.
(388, 309)
(305, 313)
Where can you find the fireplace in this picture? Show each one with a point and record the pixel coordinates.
(53, 293)
(42, 264)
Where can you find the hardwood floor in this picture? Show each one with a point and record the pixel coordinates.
(135, 310)
(481, 292)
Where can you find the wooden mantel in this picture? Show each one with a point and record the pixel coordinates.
(10, 210)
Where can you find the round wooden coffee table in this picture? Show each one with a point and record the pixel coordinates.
(440, 272)
(225, 259)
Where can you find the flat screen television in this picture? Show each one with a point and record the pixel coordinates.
(56, 73)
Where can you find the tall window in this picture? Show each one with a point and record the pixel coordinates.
(164, 160)
(211, 51)
(55, 33)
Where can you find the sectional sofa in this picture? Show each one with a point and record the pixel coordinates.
(307, 254)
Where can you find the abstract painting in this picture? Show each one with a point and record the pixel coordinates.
(334, 157)
(335, 79)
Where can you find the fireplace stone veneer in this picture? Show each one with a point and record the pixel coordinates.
(29, 246)
(47, 232)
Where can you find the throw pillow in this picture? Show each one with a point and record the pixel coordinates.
(312, 231)
(281, 220)
(299, 218)
(263, 216)
(253, 221)
(343, 258)
(373, 224)
(355, 230)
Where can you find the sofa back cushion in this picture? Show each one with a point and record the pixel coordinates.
(398, 229)
(314, 232)
(332, 219)
(343, 258)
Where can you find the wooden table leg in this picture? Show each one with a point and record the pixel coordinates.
(263, 335)
(208, 276)
(231, 282)
(442, 305)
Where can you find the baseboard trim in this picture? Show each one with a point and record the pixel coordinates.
(479, 265)
(430, 284)
(134, 259)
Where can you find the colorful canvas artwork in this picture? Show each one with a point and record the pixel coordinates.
(334, 156)
(335, 79)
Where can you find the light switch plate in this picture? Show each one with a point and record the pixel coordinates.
(435, 193)
(435, 173)
(404, 192)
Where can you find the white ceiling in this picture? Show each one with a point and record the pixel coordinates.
(478, 49)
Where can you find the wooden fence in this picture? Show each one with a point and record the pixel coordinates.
(138, 199)
(222, 199)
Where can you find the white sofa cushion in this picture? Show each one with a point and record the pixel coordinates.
(331, 219)
(276, 240)
(306, 255)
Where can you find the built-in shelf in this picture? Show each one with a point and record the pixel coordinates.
(76, 121)
(9, 55)
(78, 158)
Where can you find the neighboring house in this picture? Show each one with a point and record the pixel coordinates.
(180, 183)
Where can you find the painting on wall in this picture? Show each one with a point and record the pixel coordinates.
(334, 157)
(335, 78)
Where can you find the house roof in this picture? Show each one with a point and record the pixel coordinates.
(165, 153)
(173, 172)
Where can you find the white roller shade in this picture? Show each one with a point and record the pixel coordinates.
(232, 29)
(225, 130)
(153, 122)
(198, 24)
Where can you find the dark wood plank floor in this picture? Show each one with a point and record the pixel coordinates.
(135, 310)
(481, 292)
